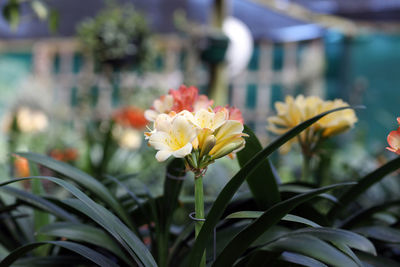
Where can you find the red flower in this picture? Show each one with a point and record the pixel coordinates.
(184, 98)
(234, 113)
(394, 140)
(131, 117)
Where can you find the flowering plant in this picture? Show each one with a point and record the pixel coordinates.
(186, 126)
(297, 110)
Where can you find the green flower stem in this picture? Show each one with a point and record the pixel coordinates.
(199, 208)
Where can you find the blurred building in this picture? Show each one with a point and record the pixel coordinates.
(293, 54)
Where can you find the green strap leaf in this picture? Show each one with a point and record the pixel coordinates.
(339, 236)
(257, 214)
(294, 188)
(262, 180)
(301, 259)
(39, 202)
(369, 180)
(84, 233)
(106, 219)
(243, 240)
(380, 232)
(361, 216)
(233, 185)
(314, 248)
(52, 260)
(371, 260)
(81, 178)
(86, 252)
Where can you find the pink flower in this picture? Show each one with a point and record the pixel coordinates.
(202, 102)
(234, 113)
(394, 140)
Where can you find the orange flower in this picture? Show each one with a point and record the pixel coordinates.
(234, 113)
(66, 155)
(21, 166)
(57, 154)
(131, 117)
(394, 140)
(70, 154)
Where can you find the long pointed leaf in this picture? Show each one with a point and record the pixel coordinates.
(383, 233)
(301, 259)
(233, 185)
(348, 238)
(362, 215)
(81, 178)
(243, 240)
(84, 233)
(355, 191)
(106, 219)
(86, 252)
(39, 202)
(262, 180)
(376, 260)
(314, 248)
(257, 214)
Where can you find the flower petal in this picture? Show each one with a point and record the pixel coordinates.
(181, 153)
(160, 141)
(163, 155)
(394, 139)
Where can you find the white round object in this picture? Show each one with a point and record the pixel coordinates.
(240, 47)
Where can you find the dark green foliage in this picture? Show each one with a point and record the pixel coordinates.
(112, 224)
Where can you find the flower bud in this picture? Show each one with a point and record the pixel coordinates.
(208, 144)
(229, 148)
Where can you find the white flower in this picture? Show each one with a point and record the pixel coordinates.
(162, 105)
(127, 137)
(172, 136)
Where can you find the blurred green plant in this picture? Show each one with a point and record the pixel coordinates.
(117, 36)
(12, 13)
(274, 224)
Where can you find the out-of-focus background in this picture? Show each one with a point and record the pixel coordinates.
(67, 66)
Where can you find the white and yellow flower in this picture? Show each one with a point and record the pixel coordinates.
(172, 136)
(204, 135)
(218, 136)
(297, 110)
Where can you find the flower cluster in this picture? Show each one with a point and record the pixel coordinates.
(296, 110)
(190, 128)
(394, 140)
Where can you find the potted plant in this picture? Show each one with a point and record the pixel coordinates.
(118, 36)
